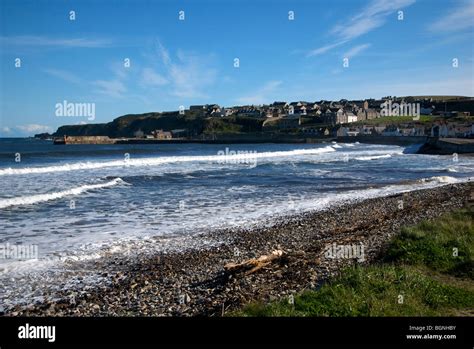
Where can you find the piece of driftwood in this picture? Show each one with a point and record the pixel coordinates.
(252, 265)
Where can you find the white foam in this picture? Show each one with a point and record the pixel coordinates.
(375, 157)
(164, 160)
(30, 200)
(440, 179)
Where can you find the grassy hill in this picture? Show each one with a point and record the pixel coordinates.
(127, 125)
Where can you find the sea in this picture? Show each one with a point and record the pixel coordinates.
(77, 201)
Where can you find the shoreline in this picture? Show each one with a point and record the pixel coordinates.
(428, 145)
(194, 282)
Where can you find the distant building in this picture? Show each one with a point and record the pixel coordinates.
(346, 131)
(281, 105)
(391, 130)
(249, 111)
(213, 109)
(291, 121)
(274, 112)
(351, 117)
(334, 116)
(367, 113)
(197, 107)
(229, 111)
(160, 134)
(300, 110)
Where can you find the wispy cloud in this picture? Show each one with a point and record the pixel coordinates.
(460, 18)
(356, 50)
(320, 50)
(115, 86)
(43, 41)
(112, 88)
(63, 75)
(164, 54)
(33, 128)
(373, 16)
(188, 75)
(151, 78)
(263, 94)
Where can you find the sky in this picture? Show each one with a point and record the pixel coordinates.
(129, 57)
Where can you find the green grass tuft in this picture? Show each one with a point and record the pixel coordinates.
(445, 245)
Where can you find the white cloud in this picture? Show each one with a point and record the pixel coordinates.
(111, 88)
(262, 95)
(6, 129)
(119, 70)
(43, 41)
(320, 50)
(190, 79)
(356, 50)
(189, 75)
(64, 75)
(164, 54)
(369, 18)
(460, 18)
(372, 16)
(33, 128)
(151, 78)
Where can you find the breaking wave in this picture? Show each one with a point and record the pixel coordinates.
(375, 157)
(34, 199)
(163, 160)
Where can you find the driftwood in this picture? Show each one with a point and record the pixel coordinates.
(252, 265)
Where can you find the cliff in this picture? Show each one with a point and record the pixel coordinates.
(127, 125)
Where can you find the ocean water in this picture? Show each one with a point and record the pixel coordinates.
(75, 200)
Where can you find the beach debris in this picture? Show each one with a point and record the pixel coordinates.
(252, 265)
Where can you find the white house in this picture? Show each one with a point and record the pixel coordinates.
(351, 117)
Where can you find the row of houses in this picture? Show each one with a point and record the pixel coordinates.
(325, 111)
(334, 112)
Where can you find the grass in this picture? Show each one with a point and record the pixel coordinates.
(445, 245)
(419, 276)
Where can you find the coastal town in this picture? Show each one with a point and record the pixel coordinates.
(435, 120)
(349, 118)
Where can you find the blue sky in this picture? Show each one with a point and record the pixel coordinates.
(175, 62)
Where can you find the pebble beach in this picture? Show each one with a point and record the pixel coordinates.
(193, 281)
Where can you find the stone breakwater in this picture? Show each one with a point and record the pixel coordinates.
(194, 282)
